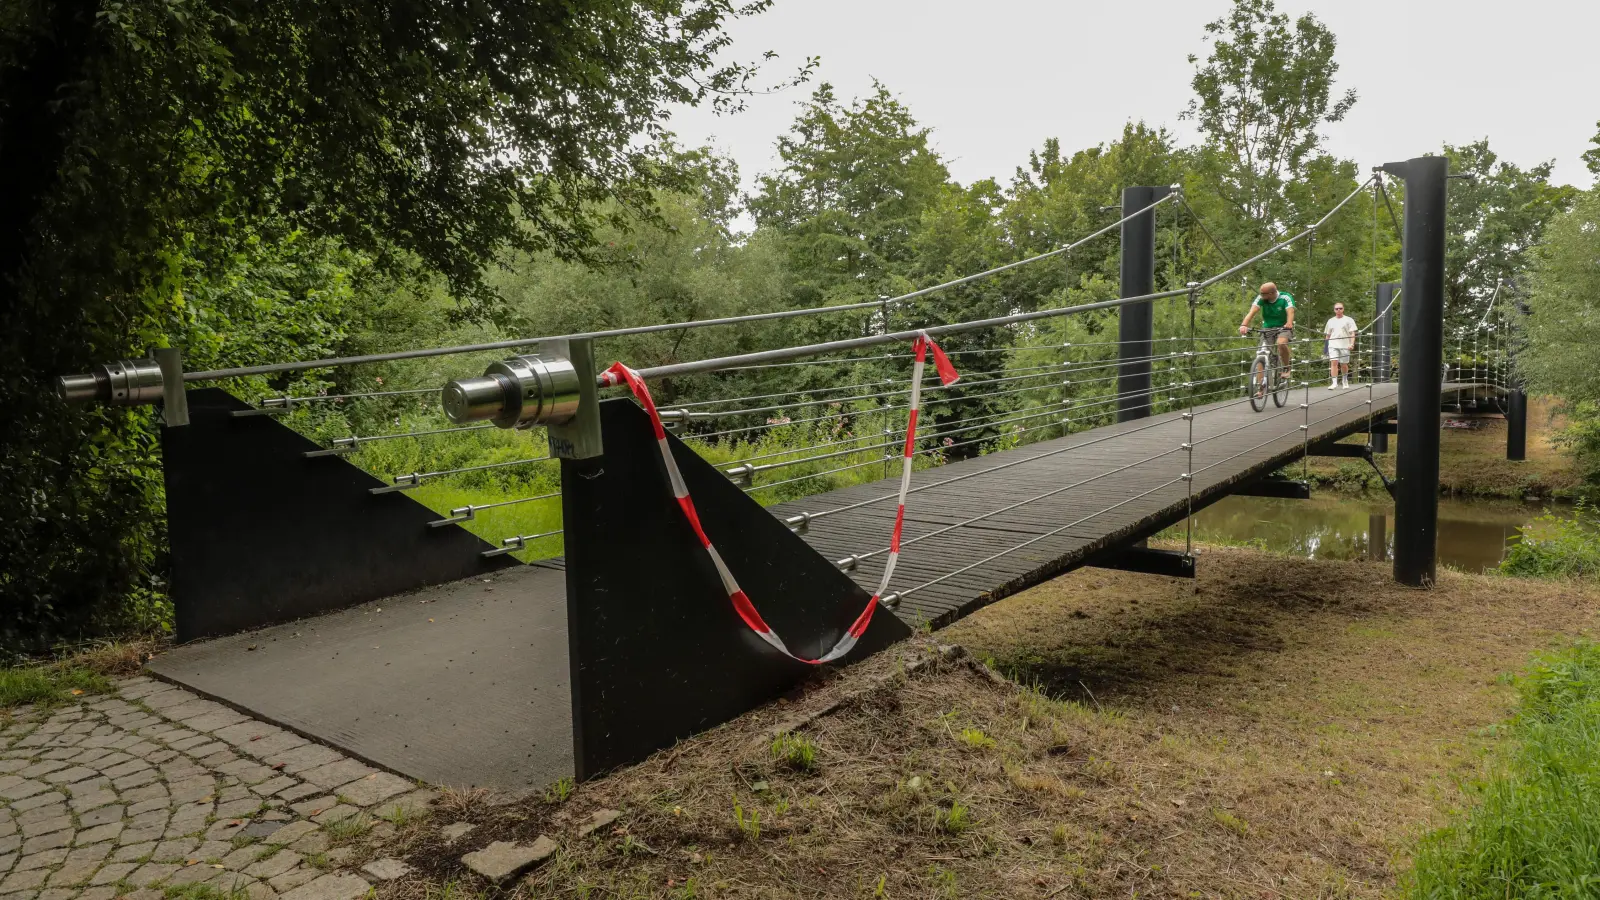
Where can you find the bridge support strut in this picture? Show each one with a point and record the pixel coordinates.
(1517, 424)
(1136, 321)
(1416, 486)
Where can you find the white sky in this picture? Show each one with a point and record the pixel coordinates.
(994, 79)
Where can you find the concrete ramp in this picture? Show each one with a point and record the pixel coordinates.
(461, 685)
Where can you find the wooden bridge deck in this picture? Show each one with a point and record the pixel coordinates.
(1122, 482)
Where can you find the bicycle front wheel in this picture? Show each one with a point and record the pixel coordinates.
(1258, 385)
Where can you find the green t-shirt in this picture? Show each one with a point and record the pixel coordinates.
(1276, 313)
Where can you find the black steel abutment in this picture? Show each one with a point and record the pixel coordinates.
(1382, 349)
(1416, 488)
(1136, 321)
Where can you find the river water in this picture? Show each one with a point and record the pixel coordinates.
(1473, 534)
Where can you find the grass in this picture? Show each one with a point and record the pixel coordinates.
(1534, 823)
(1557, 547)
(348, 828)
(1326, 714)
(559, 791)
(1472, 461)
(795, 752)
(49, 685)
(202, 892)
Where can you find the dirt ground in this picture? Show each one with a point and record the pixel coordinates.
(1472, 459)
(1275, 728)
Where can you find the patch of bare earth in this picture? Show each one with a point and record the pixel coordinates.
(1279, 728)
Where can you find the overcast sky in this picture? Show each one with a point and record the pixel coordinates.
(994, 79)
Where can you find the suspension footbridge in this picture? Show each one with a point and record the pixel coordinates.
(696, 566)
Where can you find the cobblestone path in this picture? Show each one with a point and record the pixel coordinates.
(152, 788)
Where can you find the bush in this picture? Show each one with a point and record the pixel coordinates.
(1535, 822)
(1557, 547)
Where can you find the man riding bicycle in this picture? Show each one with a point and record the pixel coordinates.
(1277, 320)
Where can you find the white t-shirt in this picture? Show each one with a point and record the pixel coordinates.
(1341, 332)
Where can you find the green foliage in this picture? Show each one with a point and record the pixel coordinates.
(747, 823)
(954, 819)
(214, 186)
(795, 752)
(1532, 824)
(1261, 95)
(1230, 821)
(193, 173)
(1496, 217)
(1557, 547)
(48, 685)
(559, 791)
(976, 739)
(850, 196)
(1559, 335)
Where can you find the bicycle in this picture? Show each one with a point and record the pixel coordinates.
(1268, 364)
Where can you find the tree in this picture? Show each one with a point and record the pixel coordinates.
(1556, 352)
(142, 143)
(1495, 217)
(850, 196)
(1261, 95)
(1591, 156)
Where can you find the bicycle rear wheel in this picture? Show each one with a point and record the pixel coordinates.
(1258, 385)
(1280, 384)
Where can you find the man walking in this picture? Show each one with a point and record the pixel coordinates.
(1341, 334)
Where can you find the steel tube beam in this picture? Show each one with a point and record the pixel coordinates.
(1416, 489)
(1136, 321)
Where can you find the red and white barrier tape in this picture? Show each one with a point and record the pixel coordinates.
(621, 374)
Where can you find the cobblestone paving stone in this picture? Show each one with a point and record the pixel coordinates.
(154, 788)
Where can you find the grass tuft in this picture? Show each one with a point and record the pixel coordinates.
(795, 752)
(1535, 822)
(953, 821)
(976, 739)
(559, 791)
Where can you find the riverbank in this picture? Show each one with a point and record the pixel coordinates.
(1275, 728)
(1472, 460)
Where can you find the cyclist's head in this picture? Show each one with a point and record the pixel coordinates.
(1269, 291)
(1338, 309)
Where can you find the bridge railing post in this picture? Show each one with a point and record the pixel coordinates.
(1421, 344)
(1136, 321)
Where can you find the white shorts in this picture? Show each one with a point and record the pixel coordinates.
(1340, 356)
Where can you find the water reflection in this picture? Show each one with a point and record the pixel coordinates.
(1473, 534)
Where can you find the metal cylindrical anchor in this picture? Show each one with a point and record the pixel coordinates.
(126, 382)
(520, 392)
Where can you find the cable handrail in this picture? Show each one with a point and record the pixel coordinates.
(278, 368)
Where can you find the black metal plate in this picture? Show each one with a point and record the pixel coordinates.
(658, 652)
(261, 535)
